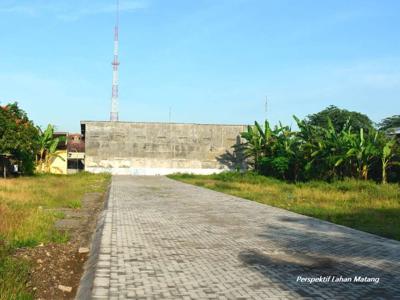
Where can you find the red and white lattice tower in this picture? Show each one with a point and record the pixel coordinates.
(115, 64)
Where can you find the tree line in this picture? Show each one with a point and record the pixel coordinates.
(25, 143)
(332, 144)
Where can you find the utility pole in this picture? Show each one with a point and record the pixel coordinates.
(266, 107)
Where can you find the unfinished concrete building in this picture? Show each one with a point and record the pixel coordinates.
(134, 148)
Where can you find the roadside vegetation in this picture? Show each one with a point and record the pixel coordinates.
(330, 145)
(18, 137)
(335, 166)
(28, 212)
(29, 204)
(25, 145)
(47, 148)
(327, 168)
(363, 205)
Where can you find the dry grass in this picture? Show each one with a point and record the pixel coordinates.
(24, 203)
(362, 205)
(26, 218)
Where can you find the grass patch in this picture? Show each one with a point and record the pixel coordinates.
(74, 204)
(363, 205)
(13, 275)
(27, 219)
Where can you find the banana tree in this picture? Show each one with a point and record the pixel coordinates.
(253, 145)
(286, 152)
(47, 148)
(259, 142)
(327, 151)
(267, 136)
(363, 149)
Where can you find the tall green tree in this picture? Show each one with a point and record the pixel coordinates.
(339, 117)
(18, 136)
(390, 123)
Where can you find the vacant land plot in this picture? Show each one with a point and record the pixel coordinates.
(363, 205)
(29, 207)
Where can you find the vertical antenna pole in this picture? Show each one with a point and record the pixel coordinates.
(266, 107)
(114, 95)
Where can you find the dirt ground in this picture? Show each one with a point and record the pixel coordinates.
(58, 267)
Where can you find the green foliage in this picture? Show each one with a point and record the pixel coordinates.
(26, 143)
(253, 147)
(277, 166)
(321, 152)
(389, 151)
(339, 118)
(390, 123)
(74, 203)
(18, 136)
(14, 275)
(270, 149)
(47, 148)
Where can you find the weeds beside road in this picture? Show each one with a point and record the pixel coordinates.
(362, 205)
(27, 217)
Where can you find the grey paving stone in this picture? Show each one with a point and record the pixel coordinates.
(168, 240)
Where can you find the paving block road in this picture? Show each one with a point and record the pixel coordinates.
(163, 239)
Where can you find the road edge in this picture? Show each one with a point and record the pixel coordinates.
(84, 291)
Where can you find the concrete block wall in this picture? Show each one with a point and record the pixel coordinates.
(161, 148)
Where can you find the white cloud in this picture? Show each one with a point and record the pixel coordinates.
(100, 8)
(70, 10)
(19, 9)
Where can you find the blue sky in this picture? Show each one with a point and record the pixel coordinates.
(212, 61)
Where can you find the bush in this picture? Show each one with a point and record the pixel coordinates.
(274, 166)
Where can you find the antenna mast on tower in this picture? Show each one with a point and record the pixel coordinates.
(115, 64)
